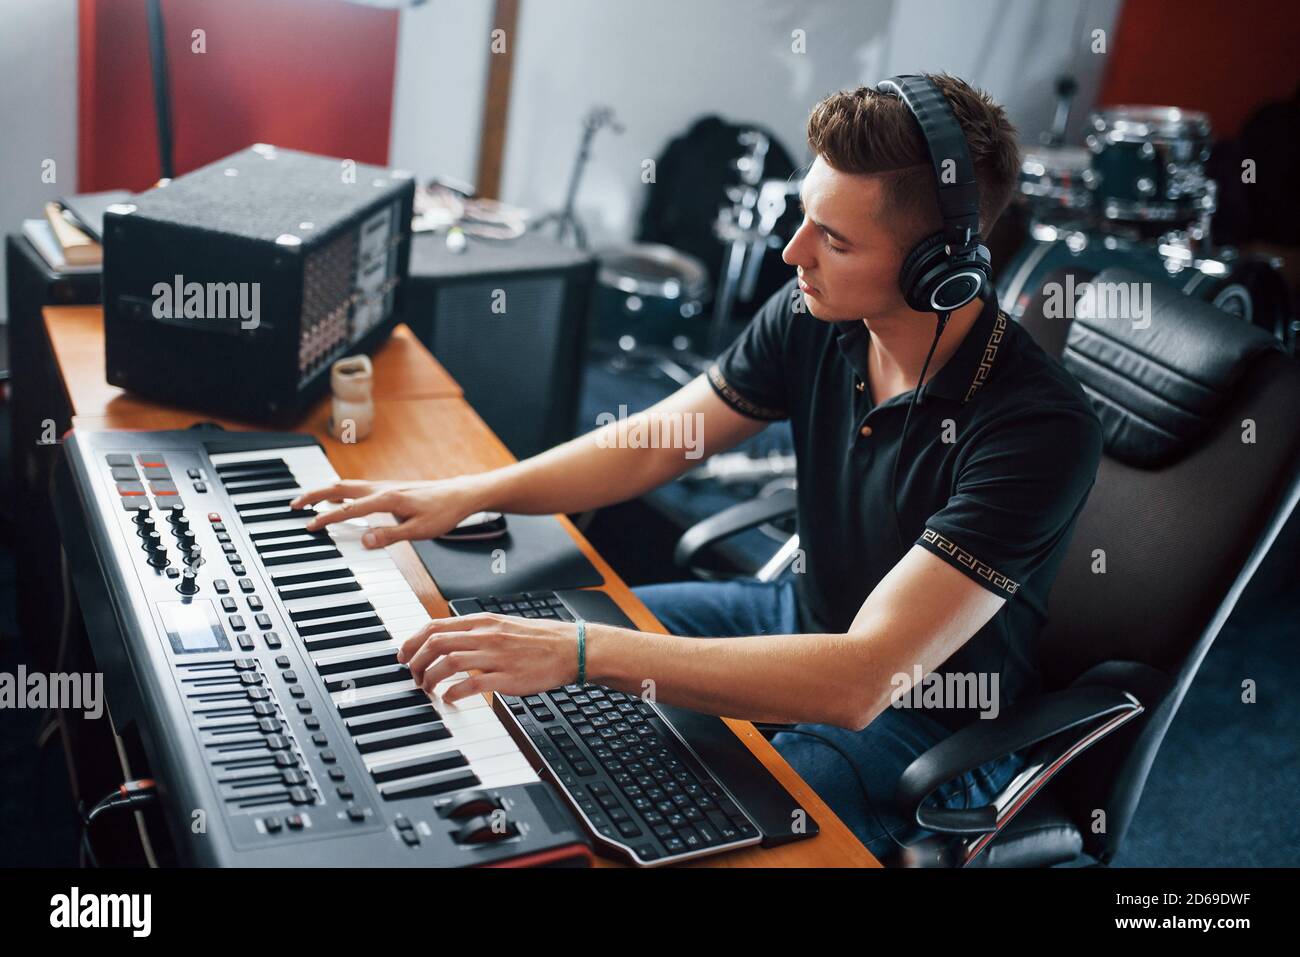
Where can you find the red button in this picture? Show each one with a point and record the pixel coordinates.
(213, 517)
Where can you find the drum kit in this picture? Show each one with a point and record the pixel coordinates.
(1137, 195)
(650, 300)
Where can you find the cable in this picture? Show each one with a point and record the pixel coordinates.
(898, 452)
(65, 630)
(129, 794)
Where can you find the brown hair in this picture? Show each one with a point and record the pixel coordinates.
(869, 133)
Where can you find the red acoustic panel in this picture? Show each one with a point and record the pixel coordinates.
(313, 75)
(1225, 59)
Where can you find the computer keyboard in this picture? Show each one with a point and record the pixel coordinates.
(638, 787)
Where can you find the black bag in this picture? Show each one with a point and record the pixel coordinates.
(691, 180)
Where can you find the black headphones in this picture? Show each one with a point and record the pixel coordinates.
(952, 267)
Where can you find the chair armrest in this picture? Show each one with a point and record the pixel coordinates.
(728, 522)
(1082, 715)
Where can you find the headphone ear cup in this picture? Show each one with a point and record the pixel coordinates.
(917, 263)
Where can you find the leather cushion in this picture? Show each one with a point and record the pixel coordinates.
(1157, 385)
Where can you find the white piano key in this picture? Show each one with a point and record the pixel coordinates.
(490, 769)
(483, 736)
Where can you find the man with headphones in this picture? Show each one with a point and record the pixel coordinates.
(942, 461)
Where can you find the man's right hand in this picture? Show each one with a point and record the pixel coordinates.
(423, 509)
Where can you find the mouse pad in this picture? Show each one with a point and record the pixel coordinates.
(536, 553)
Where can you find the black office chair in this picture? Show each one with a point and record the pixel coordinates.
(1184, 519)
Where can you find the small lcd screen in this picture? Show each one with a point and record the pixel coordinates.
(193, 627)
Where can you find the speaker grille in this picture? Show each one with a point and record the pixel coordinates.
(326, 298)
(504, 359)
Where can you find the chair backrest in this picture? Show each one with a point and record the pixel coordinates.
(1201, 468)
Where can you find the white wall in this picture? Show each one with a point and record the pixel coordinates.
(661, 65)
(38, 108)
(442, 51)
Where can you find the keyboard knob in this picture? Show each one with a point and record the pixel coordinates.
(153, 542)
(142, 517)
(186, 538)
(179, 521)
(189, 582)
(471, 804)
(481, 830)
(145, 527)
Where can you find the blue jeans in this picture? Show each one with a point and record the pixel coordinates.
(854, 772)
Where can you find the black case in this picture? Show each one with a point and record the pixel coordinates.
(327, 243)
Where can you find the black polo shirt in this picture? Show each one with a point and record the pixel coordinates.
(1001, 452)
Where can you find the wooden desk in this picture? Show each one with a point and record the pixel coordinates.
(423, 429)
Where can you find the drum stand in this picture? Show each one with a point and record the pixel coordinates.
(567, 217)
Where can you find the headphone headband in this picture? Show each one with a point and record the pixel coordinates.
(959, 199)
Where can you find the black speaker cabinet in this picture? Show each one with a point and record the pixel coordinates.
(233, 288)
(508, 321)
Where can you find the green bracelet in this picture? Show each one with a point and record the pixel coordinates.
(582, 652)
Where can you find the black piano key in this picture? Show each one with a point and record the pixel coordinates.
(278, 516)
(317, 555)
(394, 700)
(410, 767)
(390, 720)
(299, 540)
(334, 611)
(400, 738)
(346, 641)
(320, 591)
(325, 574)
(308, 631)
(374, 660)
(254, 487)
(384, 676)
(268, 503)
(254, 474)
(249, 464)
(236, 469)
(429, 785)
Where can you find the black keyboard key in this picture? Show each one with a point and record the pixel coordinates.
(320, 591)
(304, 578)
(388, 720)
(429, 785)
(413, 767)
(377, 660)
(316, 555)
(370, 679)
(299, 540)
(400, 738)
(278, 515)
(234, 468)
(388, 702)
(249, 488)
(329, 628)
(335, 611)
(346, 641)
